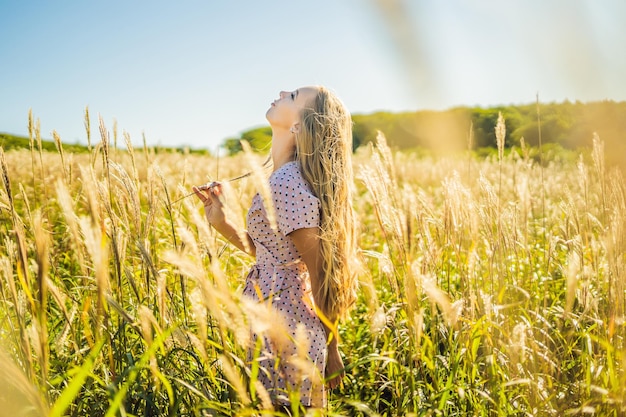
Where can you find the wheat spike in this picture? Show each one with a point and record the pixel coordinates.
(6, 182)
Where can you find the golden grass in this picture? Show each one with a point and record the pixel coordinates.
(493, 286)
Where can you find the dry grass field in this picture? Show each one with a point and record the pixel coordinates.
(491, 286)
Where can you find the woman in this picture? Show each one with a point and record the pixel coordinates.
(304, 265)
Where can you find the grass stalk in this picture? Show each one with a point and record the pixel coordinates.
(31, 143)
(543, 188)
(42, 246)
(41, 166)
(59, 145)
(106, 163)
(87, 123)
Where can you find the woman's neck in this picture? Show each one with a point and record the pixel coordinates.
(282, 154)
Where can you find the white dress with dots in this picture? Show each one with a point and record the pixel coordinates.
(281, 278)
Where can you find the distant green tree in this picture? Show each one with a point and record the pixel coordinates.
(484, 122)
(260, 140)
(8, 141)
(362, 132)
(13, 142)
(232, 145)
(366, 127)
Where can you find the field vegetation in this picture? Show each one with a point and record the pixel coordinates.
(493, 284)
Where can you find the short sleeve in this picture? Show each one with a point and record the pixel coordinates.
(295, 204)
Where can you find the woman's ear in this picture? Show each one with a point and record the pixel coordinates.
(295, 128)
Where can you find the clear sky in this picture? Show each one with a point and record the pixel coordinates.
(194, 72)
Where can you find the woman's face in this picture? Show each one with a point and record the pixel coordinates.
(284, 112)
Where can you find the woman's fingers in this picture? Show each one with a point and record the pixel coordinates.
(200, 194)
(215, 188)
(206, 193)
(210, 194)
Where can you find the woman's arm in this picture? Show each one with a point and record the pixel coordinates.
(229, 232)
(214, 212)
(307, 242)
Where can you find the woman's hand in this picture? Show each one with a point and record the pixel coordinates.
(214, 212)
(213, 207)
(334, 367)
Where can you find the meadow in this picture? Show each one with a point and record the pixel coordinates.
(491, 286)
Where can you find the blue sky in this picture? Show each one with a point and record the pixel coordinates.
(195, 72)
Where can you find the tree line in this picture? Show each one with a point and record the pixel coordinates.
(571, 125)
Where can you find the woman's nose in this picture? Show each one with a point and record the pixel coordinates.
(282, 94)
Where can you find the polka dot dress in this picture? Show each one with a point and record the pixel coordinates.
(281, 278)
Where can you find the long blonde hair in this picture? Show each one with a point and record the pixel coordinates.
(324, 151)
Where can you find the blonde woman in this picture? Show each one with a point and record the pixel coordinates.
(305, 265)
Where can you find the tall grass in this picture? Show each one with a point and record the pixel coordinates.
(494, 286)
